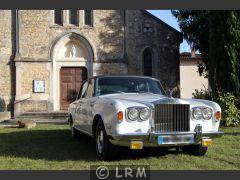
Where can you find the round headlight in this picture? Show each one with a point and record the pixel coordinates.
(145, 114)
(133, 114)
(197, 113)
(207, 113)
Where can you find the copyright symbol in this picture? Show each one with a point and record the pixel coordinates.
(102, 172)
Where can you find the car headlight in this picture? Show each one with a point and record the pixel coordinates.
(138, 113)
(202, 113)
(133, 114)
(197, 113)
(145, 114)
(207, 113)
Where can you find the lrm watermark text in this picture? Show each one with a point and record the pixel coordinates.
(104, 172)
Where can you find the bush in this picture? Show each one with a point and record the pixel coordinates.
(176, 91)
(202, 94)
(230, 112)
(2, 105)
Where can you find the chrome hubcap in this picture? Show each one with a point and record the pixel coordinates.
(100, 141)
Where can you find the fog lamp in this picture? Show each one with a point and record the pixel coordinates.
(136, 145)
(206, 142)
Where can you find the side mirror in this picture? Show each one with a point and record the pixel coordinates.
(72, 95)
(169, 92)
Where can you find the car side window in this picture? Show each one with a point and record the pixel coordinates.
(84, 90)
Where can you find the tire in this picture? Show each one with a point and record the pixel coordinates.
(104, 149)
(74, 132)
(197, 150)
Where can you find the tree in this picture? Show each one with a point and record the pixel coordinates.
(216, 34)
(195, 27)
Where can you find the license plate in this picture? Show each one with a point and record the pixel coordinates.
(176, 139)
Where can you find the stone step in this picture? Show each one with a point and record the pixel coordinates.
(54, 113)
(38, 121)
(41, 117)
(44, 115)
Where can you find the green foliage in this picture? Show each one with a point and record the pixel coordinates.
(216, 34)
(176, 91)
(2, 105)
(194, 25)
(224, 55)
(202, 94)
(230, 113)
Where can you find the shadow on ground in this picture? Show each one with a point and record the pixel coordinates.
(57, 145)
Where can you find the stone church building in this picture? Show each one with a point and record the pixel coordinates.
(46, 54)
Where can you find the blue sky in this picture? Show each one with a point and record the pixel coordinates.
(167, 17)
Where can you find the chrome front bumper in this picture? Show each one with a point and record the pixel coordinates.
(151, 139)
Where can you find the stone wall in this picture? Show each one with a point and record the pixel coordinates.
(33, 71)
(110, 68)
(32, 106)
(26, 99)
(142, 31)
(38, 33)
(6, 62)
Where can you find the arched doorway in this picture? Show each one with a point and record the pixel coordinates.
(147, 62)
(72, 57)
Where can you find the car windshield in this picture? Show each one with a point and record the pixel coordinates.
(110, 85)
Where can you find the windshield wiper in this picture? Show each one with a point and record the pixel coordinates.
(110, 91)
(119, 92)
(147, 93)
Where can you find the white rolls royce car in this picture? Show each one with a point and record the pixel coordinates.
(135, 112)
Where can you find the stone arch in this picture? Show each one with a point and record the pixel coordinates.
(74, 38)
(69, 50)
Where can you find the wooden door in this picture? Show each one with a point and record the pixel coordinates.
(71, 79)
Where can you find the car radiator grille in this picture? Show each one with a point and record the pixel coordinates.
(172, 118)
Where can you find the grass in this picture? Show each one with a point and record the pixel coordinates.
(50, 147)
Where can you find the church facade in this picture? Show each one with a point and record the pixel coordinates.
(46, 54)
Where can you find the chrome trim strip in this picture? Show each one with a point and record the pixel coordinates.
(84, 132)
(150, 139)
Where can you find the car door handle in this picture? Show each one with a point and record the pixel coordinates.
(78, 109)
(92, 103)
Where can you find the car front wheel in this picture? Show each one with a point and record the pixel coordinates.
(104, 149)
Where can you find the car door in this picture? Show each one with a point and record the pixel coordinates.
(79, 104)
(87, 106)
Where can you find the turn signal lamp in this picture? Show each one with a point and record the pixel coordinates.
(120, 116)
(218, 115)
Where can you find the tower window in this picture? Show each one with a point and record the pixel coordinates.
(73, 17)
(147, 62)
(58, 17)
(88, 17)
(148, 28)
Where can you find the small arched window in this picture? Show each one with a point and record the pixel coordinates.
(147, 62)
(58, 17)
(73, 17)
(88, 17)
